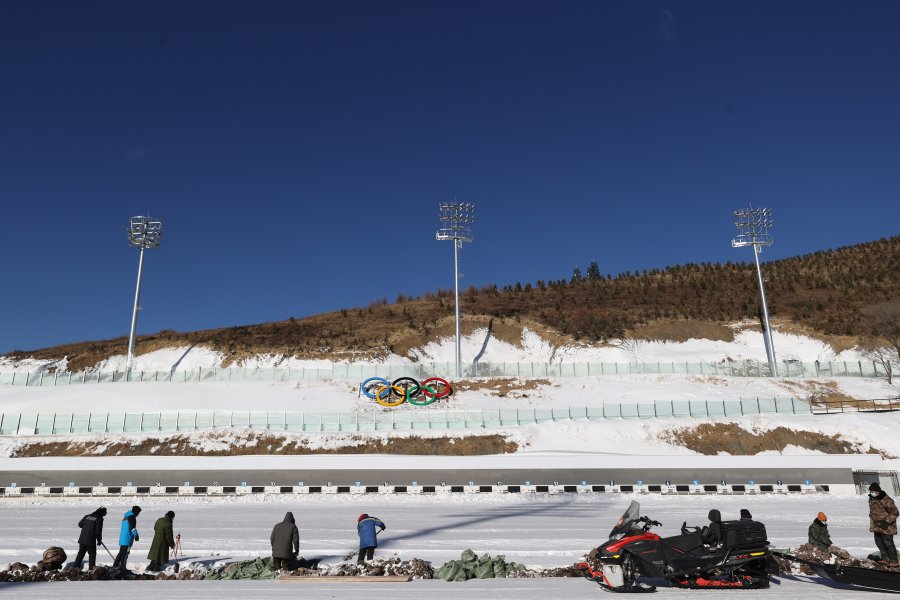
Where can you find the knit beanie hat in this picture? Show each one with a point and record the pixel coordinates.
(745, 514)
(822, 517)
(361, 517)
(875, 487)
(171, 514)
(136, 510)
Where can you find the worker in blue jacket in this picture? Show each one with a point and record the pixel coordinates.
(128, 535)
(368, 537)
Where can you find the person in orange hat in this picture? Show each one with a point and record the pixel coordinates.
(818, 533)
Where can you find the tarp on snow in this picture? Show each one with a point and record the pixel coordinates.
(469, 566)
(258, 568)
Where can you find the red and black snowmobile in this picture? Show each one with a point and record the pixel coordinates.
(725, 555)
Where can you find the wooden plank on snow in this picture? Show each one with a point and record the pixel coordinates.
(344, 579)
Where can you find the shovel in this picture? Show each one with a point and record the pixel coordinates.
(107, 551)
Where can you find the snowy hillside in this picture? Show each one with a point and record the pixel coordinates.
(481, 347)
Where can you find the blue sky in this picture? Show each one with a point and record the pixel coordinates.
(296, 151)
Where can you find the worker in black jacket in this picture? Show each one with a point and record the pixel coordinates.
(91, 537)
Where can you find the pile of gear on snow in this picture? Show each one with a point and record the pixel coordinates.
(836, 556)
(469, 566)
(51, 568)
(262, 568)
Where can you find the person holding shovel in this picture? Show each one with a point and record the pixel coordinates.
(163, 541)
(128, 535)
(91, 537)
(368, 536)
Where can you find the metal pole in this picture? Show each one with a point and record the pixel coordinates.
(137, 299)
(456, 244)
(770, 347)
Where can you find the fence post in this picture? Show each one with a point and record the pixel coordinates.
(27, 377)
(19, 424)
(106, 426)
(793, 406)
(52, 425)
(177, 420)
(72, 423)
(195, 419)
(142, 422)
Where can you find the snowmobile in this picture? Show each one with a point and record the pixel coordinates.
(738, 559)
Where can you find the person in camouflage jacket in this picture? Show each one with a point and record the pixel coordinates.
(883, 523)
(818, 533)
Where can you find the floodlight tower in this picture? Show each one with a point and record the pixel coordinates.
(753, 226)
(143, 233)
(456, 224)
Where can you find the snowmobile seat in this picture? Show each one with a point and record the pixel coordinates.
(712, 534)
(684, 543)
(743, 534)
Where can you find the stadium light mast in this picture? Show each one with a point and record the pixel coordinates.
(456, 224)
(143, 233)
(753, 226)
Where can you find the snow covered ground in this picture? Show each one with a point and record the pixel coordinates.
(333, 396)
(538, 531)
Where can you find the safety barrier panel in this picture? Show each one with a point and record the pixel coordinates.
(359, 372)
(419, 418)
(583, 487)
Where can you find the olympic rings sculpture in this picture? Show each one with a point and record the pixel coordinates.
(405, 389)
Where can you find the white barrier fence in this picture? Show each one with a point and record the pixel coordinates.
(420, 418)
(358, 372)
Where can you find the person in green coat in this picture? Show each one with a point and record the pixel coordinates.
(163, 540)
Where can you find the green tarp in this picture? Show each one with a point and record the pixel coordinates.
(469, 566)
(258, 568)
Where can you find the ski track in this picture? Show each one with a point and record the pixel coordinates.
(539, 531)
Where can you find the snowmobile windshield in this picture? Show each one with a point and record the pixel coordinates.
(627, 520)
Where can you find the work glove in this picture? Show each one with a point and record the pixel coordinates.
(137, 538)
(99, 543)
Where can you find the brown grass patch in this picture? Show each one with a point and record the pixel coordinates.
(819, 393)
(712, 438)
(500, 387)
(838, 342)
(682, 331)
(270, 444)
